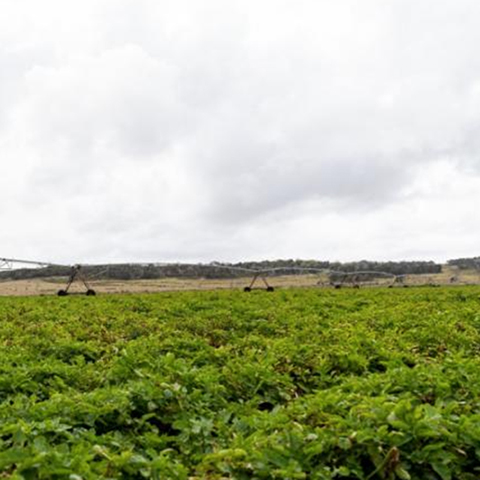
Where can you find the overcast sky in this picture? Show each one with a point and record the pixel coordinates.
(164, 130)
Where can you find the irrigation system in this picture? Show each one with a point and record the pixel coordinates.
(259, 277)
(76, 273)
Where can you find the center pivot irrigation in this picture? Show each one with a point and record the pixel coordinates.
(259, 277)
(336, 278)
(76, 272)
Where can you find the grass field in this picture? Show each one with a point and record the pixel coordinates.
(298, 384)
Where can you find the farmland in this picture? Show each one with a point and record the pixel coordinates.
(300, 384)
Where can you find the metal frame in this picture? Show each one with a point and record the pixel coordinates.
(352, 278)
(76, 273)
(258, 275)
(8, 263)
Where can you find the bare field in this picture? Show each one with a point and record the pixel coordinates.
(51, 285)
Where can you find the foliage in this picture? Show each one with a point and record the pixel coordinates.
(465, 263)
(300, 384)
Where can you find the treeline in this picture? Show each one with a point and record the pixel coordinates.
(137, 271)
(466, 263)
(396, 268)
(29, 273)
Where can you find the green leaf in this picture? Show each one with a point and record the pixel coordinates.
(443, 470)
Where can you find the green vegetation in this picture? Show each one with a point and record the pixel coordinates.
(300, 384)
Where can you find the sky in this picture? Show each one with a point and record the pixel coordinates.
(179, 130)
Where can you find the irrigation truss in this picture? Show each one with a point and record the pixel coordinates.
(9, 263)
(259, 277)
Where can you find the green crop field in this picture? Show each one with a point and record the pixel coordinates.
(296, 384)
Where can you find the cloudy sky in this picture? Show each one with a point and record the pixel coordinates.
(164, 130)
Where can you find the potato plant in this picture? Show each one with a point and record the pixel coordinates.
(300, 384)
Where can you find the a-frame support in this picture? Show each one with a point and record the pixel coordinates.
(260, 276)
(76, 274)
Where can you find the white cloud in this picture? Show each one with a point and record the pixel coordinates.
(147, 130)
